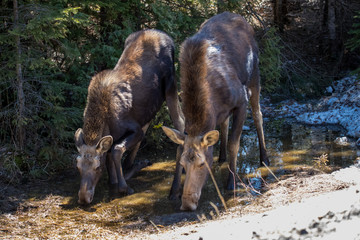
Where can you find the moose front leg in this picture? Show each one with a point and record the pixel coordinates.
(110, 166)
(224, 130)
(175, 192)
(117, 153)
(129, 161)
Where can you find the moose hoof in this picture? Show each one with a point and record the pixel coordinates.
(126, 190)
(123, 189)
(265, 162)
(175, 196)
(230, 184)
(130, 191)
(144, 163)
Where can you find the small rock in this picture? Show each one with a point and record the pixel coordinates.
(314, 224)
(329, 89)
(303, 232)
(343, 141)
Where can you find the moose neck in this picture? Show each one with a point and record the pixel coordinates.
(197, 105)
(97, 108)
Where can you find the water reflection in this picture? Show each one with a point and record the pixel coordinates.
(291, 143)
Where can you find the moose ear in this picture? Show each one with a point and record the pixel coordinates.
(210, 138)
(104, 144)
(174, 135)
(79, 138)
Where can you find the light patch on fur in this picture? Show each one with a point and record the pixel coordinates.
(88, 155)
(110, 79)
(157, 42)
(213, 50)
(217, 61)
(246, 93)
(123, 96)
(250, 61)
(249, 93)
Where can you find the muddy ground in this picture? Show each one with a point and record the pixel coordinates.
(53, 214)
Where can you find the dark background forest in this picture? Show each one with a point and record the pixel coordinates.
(49, 50)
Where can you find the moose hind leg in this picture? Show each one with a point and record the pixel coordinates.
(239, 116)
(258, 119)
(172, 101)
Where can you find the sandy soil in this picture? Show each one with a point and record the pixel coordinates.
(304, 206)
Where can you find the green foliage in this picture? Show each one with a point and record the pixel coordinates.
(64, 43)
(52, 104)
(285, 74)
(155, 135)
(270, 60)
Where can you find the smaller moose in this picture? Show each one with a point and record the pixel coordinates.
(120, 105)
(219, 74)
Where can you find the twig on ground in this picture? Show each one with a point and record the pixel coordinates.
(234, 181)
(216, 186)
(252, 187)
(216, 208)
(271, 172)
(152, 223)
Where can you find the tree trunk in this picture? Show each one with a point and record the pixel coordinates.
(332, 27)
(220, 6)
(278, 14)
(20, 131)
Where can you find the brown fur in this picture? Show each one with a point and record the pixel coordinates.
(97, 108)
(219, 68)
(120, 105)
(195, 88)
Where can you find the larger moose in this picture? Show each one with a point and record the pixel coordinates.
(219, 74)
(120, 105)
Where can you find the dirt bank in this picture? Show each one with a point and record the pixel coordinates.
(324, 206)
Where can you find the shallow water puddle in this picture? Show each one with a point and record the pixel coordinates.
(289, 146)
